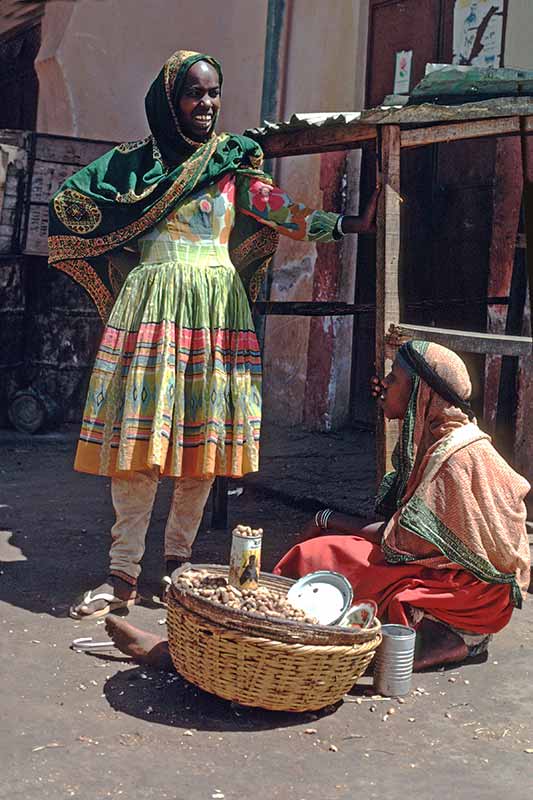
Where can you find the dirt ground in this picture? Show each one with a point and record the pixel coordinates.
(82, 726)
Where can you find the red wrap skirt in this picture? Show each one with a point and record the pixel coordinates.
(452, 596)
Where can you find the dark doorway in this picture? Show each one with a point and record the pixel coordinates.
(19, 87)
(447, 208)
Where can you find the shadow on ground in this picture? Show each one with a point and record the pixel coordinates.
(167, 699)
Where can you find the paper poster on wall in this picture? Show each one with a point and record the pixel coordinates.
(478, 32)
(402, 71)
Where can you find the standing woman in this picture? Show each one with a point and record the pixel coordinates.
(184, 220)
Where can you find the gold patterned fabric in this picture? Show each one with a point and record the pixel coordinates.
(76, 211)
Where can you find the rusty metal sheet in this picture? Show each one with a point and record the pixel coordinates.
(423, 114)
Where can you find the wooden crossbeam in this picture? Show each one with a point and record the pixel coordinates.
(457, 131)
(467, 341)
(343, 136)
(325, 139)
(312, 308)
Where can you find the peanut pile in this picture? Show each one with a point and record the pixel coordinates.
(245, 530)
(263, 601)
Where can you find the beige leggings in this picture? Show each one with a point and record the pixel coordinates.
(133, 501)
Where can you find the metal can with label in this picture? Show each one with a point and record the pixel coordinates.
(245, 557)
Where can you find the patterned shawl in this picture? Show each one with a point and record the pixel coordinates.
(128, 190)
(452, 499)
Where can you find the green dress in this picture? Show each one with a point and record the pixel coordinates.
(177, 379)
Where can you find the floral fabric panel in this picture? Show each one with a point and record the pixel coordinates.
(207, 216)
(273, 206)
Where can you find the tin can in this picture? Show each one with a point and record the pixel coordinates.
(393, 668)
(245, 559)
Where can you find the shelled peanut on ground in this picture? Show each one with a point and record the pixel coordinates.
(263, 601)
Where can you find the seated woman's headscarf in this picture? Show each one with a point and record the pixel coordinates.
(127, 191)
(452, 499)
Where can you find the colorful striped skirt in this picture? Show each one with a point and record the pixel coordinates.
(176, 383)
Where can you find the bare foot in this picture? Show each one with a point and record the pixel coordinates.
(114, 586)
(438, 646)
(143, 647)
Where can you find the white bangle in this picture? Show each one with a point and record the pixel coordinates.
(338, 231)
(322, 517)
(325, 517)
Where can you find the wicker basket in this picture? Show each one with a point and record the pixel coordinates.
(247, 663)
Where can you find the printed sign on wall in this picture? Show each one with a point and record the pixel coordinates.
(402, 71)
(478, 32)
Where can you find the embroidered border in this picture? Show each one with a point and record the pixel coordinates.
(260, 244)
(156, 152)
(77, 211)
(254, 286)
(172, 67)
(131, 197)
(72, 247)
(129, 147)
(417, 518)
(86, 276)
(170, 72)
(393, 557)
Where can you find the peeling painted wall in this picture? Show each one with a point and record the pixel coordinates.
(330, 81)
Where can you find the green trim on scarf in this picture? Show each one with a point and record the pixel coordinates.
(392, 487)
(417, 518)
(393, 557)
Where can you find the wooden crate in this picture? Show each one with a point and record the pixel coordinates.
(32, 167)
(14, 158)
(50, 327)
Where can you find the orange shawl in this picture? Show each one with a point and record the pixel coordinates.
(454, 500)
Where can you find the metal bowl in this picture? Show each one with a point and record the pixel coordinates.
(324, 595)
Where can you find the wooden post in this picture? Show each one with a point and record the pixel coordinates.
(527, 170)
(387, 286)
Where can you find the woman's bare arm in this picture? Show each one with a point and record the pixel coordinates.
(342, 524)
(366, 222)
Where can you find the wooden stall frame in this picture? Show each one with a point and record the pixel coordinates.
(390, 131)
(390, 331)
(390, 137)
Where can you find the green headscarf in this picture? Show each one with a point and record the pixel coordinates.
(392, 487)
(128, 190)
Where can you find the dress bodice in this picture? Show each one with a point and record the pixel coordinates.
(206, 217)
(203, 222)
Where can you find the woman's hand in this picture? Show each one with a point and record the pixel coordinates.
(369, 214)
(376, 386)
(366, 222)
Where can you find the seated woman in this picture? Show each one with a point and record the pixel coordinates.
(452, 560)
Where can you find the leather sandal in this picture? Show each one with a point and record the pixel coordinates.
(113, 604)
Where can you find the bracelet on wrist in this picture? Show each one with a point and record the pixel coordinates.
(322, 518)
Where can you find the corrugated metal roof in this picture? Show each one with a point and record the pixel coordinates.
(423, 114)
(302, 121)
